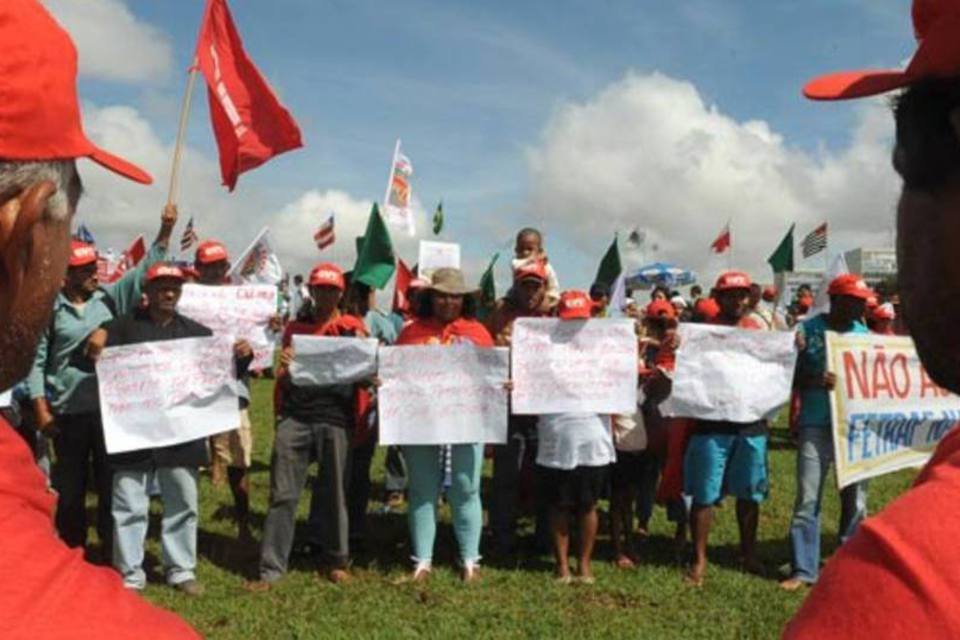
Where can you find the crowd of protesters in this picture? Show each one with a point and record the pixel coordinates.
(555, 468)
(895, 575)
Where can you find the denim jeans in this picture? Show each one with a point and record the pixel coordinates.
(131, 513)
(814, 457)
(425, 474)
(509, 462)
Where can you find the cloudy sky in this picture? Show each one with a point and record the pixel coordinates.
(583, 118)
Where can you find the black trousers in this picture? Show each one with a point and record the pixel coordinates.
(78, 446)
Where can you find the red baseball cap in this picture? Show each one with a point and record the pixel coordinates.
(81, 253)
(936, 24)
(733, 280)
(850, 284)
(165, 270)
(660, 309)
(210, 251)
(707, 308)
(574, 305)
(327, 274)
(40, 113)
(530, 271)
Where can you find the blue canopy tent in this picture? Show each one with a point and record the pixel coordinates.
(661, 273)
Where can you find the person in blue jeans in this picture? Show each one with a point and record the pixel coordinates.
(848, 300)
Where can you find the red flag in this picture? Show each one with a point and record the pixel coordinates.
(250, 124)
(130, 259)
(722, 243)
(400, 286)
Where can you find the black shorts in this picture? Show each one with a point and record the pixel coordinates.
(575, 489)
(627, 471)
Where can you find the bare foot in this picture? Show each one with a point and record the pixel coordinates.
(694, 575)
(793, 584)
(624, 561)
(471, 573)
(257, 586)
(338, 576)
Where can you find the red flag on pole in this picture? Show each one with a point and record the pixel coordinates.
(130, 258)
(250, 124)
(722, 243)
(400, 286)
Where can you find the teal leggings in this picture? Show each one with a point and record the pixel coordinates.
(425, 477)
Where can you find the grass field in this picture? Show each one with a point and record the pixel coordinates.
(520, 600)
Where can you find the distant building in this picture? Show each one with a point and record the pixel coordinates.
(875, 265)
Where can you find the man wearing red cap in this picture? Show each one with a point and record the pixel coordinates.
(174, 467)
(232, 451)
(526, 299)
(47, 590)
(727, 456)
(899, 576)
(848, 298)
(312, 423)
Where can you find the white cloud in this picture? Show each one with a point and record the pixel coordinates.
(112, 43)
(649, 151)
(116, 210)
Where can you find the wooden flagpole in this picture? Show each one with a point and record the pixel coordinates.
(172, 193)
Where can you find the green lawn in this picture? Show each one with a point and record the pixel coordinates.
(515, 601)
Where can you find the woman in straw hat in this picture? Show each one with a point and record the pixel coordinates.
(445, 316)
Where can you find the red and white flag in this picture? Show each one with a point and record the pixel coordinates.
(250, 124)
(400, 286)
(397, 207)
(722, 243)
(130, 259)
(325, 235)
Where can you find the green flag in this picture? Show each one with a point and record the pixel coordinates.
(782, 258)
(610, 266)
(488, 287)
(375, 260)
(438, 219)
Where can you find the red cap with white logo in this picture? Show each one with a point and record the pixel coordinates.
(210, 251)
(327, 274)
(81, 254)
(733, 280)
(165, 270)
(574, 305)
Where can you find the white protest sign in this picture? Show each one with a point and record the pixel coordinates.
(320, 361)
(731, 374)
(443, 395)
(574, 366)
(887, 413)
(156, 394)
(436, 255)
(6, 398)
(239, 311)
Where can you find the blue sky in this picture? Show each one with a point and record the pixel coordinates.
(473, 87)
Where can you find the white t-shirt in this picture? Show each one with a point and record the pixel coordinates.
(569, 440)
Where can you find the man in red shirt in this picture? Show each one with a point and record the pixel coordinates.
(727, 457)
(47, 590)
(899, 575)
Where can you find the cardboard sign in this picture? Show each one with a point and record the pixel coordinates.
(443, 395)
(241, 312)
(887, 413)
(436, 255)
(574, 366)
(156, 394)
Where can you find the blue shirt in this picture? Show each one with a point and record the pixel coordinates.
(58, 370)
(812, 361)
(380, 326)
